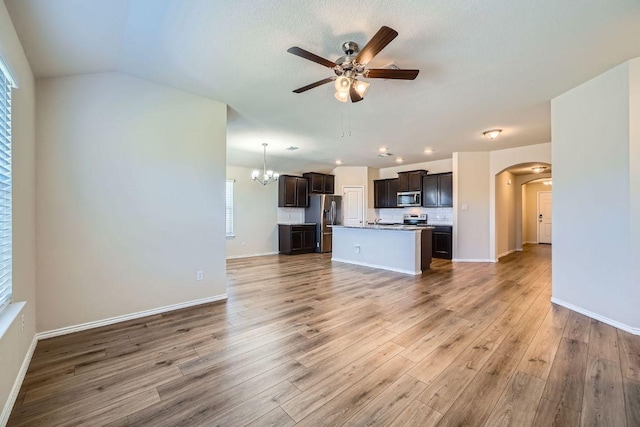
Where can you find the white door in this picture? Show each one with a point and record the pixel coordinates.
(544, 217)
(353, 200)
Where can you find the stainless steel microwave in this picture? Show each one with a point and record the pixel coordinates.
(409, 198)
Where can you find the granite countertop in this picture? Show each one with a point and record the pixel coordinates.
(398, 227)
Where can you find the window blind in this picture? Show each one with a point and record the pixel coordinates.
(229, 208)
(5, 188)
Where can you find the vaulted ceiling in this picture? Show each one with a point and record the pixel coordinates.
(483, 64)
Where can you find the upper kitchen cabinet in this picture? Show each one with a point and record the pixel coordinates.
(411, 180)
(437, 190)
(385, 193)
(292, 192)
(320, 183)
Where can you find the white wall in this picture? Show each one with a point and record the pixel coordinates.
(505, 213)
(14, 343)
(634, 177)
(130, 193)
(357, 176)
(255, 215)
(501, 160)
(471, 190)
(595, 143)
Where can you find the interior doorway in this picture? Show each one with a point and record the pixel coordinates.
(353, 205)
(544, 217)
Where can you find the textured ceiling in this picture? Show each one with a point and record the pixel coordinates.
(483, 64)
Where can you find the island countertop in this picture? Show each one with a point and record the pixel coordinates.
(405, 249)
(386, 227)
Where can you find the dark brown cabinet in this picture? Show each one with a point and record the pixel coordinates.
(292, 192)
(320, 183)
(437, 190)
(385, 193)
(442, 242)
(411, 180)
(296, 238)
(426, 251)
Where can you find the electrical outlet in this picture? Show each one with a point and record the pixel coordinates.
(22, 318)
(244, 244)
(200, 275)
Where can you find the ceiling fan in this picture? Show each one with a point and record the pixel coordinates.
(354, 64)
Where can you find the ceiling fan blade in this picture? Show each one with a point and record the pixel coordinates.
(311, 56)
(384, 73)
(378, 42)
(316, 84)
(355, 96)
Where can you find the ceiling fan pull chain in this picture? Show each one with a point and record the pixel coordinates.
(342, 123)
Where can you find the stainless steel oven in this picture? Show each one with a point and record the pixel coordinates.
(409, 198)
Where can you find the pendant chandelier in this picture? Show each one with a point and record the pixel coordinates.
(268, 176)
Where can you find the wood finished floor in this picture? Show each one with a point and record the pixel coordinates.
(302, 341)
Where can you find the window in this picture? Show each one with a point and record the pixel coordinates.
(5, 187)
(229, 208)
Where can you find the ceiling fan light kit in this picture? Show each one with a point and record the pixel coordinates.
(353, 65)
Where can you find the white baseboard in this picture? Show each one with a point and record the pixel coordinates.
(603, 319)
(125, 317)
(252, 255)
(381, 267)
(510, 251)
(473, 260)
(533, 242)
(13, 394)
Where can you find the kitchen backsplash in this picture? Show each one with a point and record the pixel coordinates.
(290, 215)
(435, 215)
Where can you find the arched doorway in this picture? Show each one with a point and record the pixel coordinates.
(512, 207)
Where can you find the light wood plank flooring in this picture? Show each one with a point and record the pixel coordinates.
(302, 341)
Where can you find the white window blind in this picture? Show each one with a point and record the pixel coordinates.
(5, 188)
(229, 207)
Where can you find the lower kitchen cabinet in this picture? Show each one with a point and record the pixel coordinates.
(442, 242)
(296, 238)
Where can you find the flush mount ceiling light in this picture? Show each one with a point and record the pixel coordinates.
(268, 176)
(539, 169)
(292, 148)
(353, 65)
(492, 134)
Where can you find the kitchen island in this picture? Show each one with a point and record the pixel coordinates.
(404, 249)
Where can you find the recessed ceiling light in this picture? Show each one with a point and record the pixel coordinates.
(292, 148)
(538, 169)
(429, 151)
(399, 160)
(338, 162)
(382, 149)
(385, 154)
(492, 133)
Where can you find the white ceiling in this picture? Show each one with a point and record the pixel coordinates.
(483, 64)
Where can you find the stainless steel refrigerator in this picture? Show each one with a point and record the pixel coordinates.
(324, 210)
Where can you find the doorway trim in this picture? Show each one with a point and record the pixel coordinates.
(364, 201)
